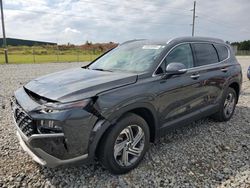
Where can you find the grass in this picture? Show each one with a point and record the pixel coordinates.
(47, 54)
(18, 59)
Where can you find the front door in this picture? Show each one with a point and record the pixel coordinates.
(180, 94)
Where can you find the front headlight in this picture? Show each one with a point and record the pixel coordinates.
(48, 126)
(50, 107)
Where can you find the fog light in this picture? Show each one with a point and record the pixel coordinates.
(48, 126)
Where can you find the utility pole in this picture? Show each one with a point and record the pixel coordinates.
(4, 37)
(194, 16)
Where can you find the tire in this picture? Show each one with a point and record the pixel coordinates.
(117, 143)
(225, 114)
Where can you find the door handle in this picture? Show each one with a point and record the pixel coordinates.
(195, 76)
(224, 69)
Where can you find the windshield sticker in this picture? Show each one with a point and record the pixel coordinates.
(152, 47)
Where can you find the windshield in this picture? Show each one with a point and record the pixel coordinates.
(131, 57)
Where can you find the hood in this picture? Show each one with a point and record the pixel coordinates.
(79, 83)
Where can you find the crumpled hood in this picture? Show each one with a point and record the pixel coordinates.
(79, 83)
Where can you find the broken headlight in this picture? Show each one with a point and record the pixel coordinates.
(51, 107)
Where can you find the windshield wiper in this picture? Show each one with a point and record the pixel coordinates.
(102, 70)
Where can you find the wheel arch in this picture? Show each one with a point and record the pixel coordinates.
(144, 110)
(147, 115)
(236, 86)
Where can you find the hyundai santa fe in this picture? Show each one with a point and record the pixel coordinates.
(114, 107)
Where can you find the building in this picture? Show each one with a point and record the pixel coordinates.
(22, 42)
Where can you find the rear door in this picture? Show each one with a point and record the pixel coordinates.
(212, 72)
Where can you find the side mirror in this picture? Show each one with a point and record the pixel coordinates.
(175, 69)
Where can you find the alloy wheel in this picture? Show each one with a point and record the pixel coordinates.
(229, 105)
(129, 145)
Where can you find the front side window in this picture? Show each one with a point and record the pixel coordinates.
(131, 57)
(181, 54)
(205, 54)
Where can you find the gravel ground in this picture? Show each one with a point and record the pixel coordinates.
(203, 154)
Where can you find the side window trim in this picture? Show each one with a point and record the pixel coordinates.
(194, 57)
(162, 60)
(217, 54)
(228, 51)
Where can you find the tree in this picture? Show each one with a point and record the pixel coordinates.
(88, 43)
(244, 45)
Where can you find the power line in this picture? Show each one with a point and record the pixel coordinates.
(144, 3)
(206, 17)
(215, 20)
(231, 27)
(158, 10)
(214, 32)
(90, 17)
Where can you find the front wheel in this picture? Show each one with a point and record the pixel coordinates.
(227, 106)
(124, 145)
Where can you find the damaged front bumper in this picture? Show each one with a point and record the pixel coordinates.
(53, 149)
(45, 159)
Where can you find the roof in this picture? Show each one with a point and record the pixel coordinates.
(196, 39)
(177, 40)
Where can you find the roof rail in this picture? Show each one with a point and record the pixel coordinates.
(129, 41)
(198, 38)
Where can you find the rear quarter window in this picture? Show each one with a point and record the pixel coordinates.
(205, 54)
(222, 51)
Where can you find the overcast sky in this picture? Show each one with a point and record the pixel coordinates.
(77, 21)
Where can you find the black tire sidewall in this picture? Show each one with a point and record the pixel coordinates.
(108, 146)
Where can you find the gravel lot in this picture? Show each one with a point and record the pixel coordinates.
(203, 154)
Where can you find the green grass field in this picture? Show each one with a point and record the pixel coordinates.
(46, 54)
(17, 59)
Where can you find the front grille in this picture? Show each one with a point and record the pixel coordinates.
(23, 120)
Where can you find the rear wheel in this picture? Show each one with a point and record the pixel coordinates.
(227, 106)
(125, 144)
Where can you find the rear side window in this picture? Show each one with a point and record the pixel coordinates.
(222, 51)
(205, 54)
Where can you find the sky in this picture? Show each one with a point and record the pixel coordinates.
(78, 21)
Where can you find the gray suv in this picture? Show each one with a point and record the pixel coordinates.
(114, 107)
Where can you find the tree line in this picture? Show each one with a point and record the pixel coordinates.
(244, 45)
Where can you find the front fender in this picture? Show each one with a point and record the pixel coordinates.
(113, 104)
(103, 125)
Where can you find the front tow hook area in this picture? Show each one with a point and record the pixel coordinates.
(26, 149)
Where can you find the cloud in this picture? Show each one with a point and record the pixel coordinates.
(76, 21)
(70, 30)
